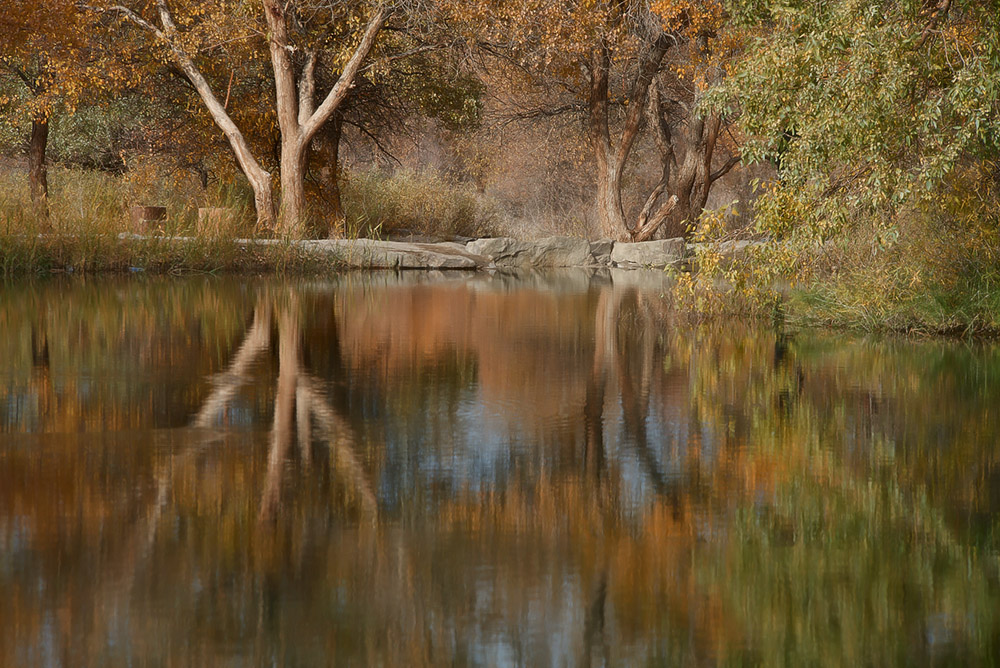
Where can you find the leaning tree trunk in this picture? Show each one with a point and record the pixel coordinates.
(38, 170)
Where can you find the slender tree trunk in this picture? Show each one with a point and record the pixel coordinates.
(609, 201)
(328, 152)
(38, 170)
(259, 178)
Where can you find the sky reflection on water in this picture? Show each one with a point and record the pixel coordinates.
(496, 470)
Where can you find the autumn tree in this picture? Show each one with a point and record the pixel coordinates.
(296, 39)
(51, 65)
(868, 108)
(624, 67)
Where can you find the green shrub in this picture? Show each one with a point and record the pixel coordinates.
(934, 267)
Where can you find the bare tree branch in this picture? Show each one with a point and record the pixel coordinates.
(725, 169)
(22, 75)
(346, 80)
(307, 87)
(937, 13)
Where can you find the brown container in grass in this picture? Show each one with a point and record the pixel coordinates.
(146, 218)
(215, 221)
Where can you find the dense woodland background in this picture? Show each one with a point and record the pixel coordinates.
(858, 138)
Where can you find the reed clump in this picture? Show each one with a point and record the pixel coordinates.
(379, 203)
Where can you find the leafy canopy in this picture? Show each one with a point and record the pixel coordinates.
(864, 105)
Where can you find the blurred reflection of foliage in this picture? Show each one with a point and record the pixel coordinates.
(408, 472)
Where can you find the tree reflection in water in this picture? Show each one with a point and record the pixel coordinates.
(530, 469)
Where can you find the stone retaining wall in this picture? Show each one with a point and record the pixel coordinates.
(503, 253)
(506, 253)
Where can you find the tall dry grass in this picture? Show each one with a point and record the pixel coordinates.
(85, 227)
(377, 203)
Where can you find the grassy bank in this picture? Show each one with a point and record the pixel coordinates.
(932, 269)
(936, 270)
(970, 306)
(85, 226)
(95, 253)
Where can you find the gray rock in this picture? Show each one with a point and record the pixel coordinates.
(411, 237)
(371, 254)
(655, 254)
(601, 250)
(549, 252)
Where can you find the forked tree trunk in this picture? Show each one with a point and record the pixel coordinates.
(686, 155)
(38, 169)
(610, 159)
(298, 119)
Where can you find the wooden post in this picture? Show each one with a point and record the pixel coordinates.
(143, 218)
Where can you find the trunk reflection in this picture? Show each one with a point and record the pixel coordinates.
(532, 469)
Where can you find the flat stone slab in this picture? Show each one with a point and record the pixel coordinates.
(550, 252)
(655, 254)
(505, 253)
(601, 251)
(373, 254)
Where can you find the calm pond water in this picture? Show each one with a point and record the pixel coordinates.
(524, 470)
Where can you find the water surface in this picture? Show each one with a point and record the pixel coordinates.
(490, 470)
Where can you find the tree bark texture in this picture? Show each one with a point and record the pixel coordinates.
(38, 169)
(685, 156)
(328, 155)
